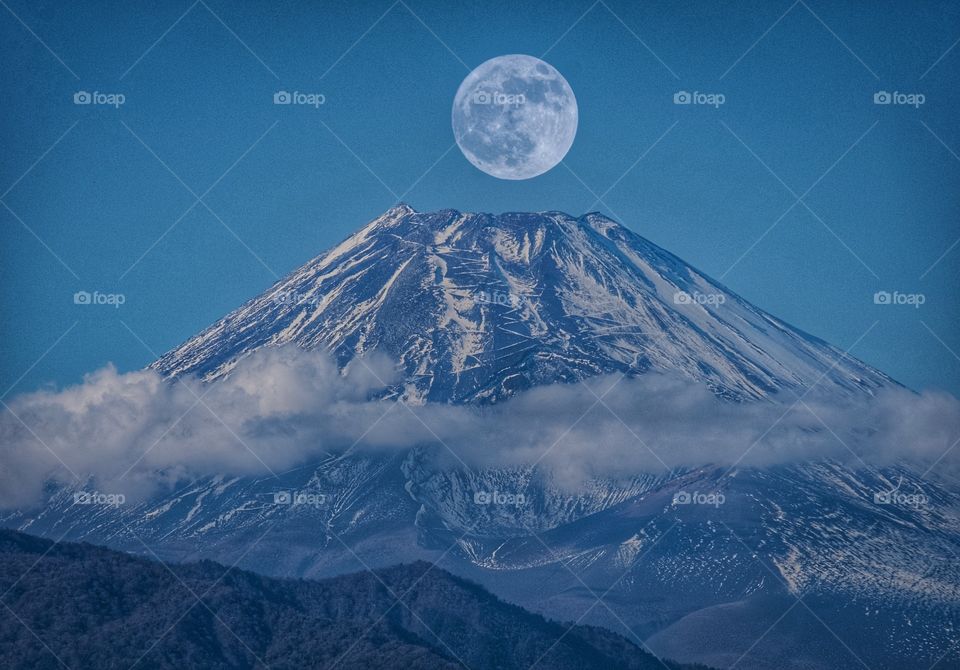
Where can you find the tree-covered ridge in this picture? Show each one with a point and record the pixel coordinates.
(96, 608)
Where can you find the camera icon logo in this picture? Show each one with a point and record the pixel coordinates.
(882, 98)
(82, 98)
(282, 98)
(82, 298)
(882, 298)
(482, 498)
(682, 498)
(282, 498)
(682, 298)
(682, 98)
(481, 98)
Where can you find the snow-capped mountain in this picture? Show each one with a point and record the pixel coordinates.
(476, 308)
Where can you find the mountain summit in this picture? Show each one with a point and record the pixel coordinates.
(476, 307)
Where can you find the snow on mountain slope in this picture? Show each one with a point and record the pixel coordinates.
(703, 581)
(476, 307)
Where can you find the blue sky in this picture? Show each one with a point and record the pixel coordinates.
(798, 192)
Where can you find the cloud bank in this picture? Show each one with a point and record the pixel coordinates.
(281, 407)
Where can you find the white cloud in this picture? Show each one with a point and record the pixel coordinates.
(281, 407)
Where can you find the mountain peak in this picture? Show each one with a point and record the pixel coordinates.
(445, 225)
(400, 209)
(403, 209)
(476, 307)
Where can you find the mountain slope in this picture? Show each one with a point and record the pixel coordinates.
(476, 307)
(699, 583)
(123, 612)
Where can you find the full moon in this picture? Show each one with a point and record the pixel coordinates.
(514, 117)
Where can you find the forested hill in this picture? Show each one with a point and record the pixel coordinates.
(81, 606)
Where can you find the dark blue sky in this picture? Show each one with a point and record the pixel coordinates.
(279, 184)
